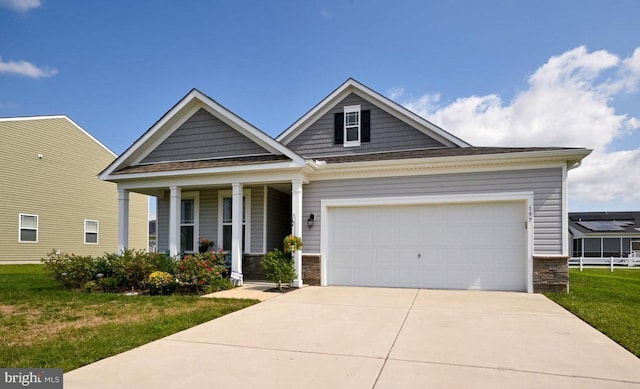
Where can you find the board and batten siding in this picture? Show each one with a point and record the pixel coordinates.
(203, 136)
(546, 185)
(62, 188)
(388, 133)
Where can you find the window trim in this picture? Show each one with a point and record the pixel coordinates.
(97, 231)
(346, 110)
(246, 192)
(195, 196)
(20, 228)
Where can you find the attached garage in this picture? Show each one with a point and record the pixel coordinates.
(457, 243)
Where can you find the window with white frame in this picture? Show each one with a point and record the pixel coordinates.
(28, 228)
(91, 231)
(187, 225)
(225, 219)
(352, 125)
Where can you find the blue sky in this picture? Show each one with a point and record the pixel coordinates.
(505, 73)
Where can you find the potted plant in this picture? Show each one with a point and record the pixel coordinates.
(204, 245)
(292, 244)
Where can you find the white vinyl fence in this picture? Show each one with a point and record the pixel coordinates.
(611, 262)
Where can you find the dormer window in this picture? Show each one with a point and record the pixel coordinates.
(352, 125)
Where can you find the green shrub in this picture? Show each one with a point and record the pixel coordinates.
(278, 267)
(160, 282)
(201, 271)
(92, 286)
(131, 267)
(163, 262)
(72, 271)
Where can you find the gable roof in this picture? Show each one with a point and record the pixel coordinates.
(181, 112)
(393, 108)
(50, 117)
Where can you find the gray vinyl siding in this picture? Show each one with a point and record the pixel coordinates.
(163, 224)
(545, 183)
(162, 237)
(208, 227)
(257, 219)
(203, 136)
(278, 217)
(208, 218)
(387, 134)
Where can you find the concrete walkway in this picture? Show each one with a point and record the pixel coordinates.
(340, 337)
(257, 290)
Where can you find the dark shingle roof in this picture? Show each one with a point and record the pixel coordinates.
(435, 153)
(203, 164)
(599, 222)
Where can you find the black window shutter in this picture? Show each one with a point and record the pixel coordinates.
(365, 126)
(338, 137)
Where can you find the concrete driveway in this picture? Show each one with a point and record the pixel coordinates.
(341, 337)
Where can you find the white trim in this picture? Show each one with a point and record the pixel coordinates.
(467, 198)
(267, 167)
(250, 178)
(565, 212)
(346, 110)
(195, 196)
(148, 149)
(182, 110)
(20, 228)
(123, 219)
(97, 231)
(246, 193)
(381, 102)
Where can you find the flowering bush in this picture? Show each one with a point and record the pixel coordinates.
(160, 282)
(131, 267)
(292, 243)
(72, 271)
(201, 271)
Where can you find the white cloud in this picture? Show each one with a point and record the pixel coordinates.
(25, 68)
(22, 6)
(567, 103)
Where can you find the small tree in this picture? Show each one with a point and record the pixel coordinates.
(278, 267)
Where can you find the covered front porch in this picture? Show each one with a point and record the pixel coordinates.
(246, 219)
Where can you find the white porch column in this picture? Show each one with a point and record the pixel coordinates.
(296, 216)
(123, 219)
(174, 220)
(237, 211)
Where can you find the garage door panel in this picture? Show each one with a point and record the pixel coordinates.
(454, 246)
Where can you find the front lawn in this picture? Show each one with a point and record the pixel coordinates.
(43, 325)
(608, 301)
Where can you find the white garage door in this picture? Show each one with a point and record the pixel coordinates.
(453, 246)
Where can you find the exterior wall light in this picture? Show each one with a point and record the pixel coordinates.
(310, 220)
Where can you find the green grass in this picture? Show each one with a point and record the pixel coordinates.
(42, 325)
(608, 301)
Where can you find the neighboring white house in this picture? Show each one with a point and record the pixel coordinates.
(379, 195)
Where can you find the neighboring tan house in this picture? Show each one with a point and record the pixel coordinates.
(379, 195)
(51, 197)
(604, 234)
